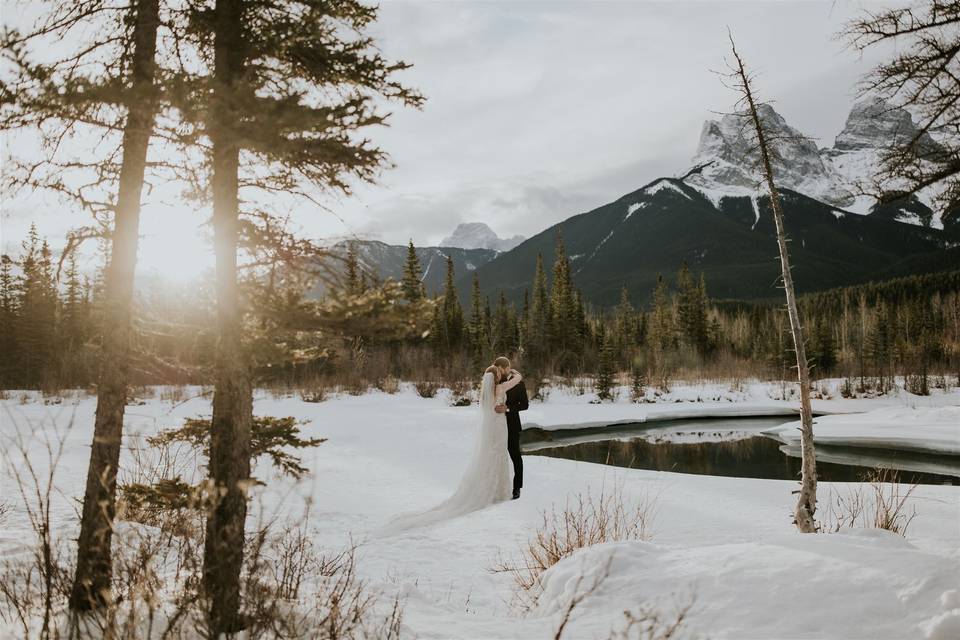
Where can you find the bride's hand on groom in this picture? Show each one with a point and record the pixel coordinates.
(500, 408)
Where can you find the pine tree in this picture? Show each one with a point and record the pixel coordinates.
(523, 323)
(353, 278)
(292, 87)
(412, 284)
(539, 322)
(478, 333)
(450, 312)
(103, 86)
(9, 335)
(564, 315)
(626, 324)
(604, 382)
(37, 306)
(501, 326)
(691, 310)
(879, 345)
(822, 348)
(638, 384)
(660, 328)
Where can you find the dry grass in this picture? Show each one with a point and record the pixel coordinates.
(292, 588)
(426, 388)
(584, 521)
(880, 504)
(651, 623)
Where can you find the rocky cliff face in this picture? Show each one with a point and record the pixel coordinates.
(478, 235)
(727, 159)
(873, 124)
(728, 149)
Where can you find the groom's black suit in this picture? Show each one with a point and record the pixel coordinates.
(516, 402)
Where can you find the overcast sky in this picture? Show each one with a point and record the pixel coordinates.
(540, 110)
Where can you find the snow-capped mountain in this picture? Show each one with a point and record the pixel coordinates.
(383, 261)
(730, 159)
(726, 162)
(478, 235)
(653, 230)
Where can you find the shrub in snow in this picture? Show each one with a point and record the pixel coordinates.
(426, 388)
(881, 504)
(584, 521)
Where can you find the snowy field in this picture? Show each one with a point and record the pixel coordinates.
(726, 544)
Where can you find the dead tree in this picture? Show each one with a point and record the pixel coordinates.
(807, 500)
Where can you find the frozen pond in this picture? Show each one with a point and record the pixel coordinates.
(730, 447)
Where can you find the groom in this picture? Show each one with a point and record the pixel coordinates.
(516, 402)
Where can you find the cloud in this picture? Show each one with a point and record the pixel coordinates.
(537, 111)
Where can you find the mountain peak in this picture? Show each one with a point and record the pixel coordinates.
(479, 235)
(874, 123)
(729, 155)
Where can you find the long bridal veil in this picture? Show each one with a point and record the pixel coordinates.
(487, 476)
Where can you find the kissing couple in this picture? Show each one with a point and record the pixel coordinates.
(486, 478)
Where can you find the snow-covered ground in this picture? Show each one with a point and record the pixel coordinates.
(727, 543)
(927, 430)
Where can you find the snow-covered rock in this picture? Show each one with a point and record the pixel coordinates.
(873, 123)
(837, 175)
(478, 235)
(728, 148)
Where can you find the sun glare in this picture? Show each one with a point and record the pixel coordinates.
(174, 243)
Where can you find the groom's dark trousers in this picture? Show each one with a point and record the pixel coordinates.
(516, 402)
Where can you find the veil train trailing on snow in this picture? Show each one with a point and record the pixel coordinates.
(487, 476)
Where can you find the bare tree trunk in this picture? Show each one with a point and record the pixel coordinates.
(807, 500)
(91, 584)
(232, 399)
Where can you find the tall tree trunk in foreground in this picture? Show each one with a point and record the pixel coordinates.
(232, 398)
(807, 500)
(91, 584)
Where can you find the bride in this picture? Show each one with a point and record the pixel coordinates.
(487, 476)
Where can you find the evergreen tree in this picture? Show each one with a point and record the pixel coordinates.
(9, 341)
(501, 327)
(450, 312)
(660, 328)
(37, 307)
(626, 325)
(539, 317)
(638, 384)
(354, 285)
(605, 382)
(102, 86)
(413, 290)
(822, 348)
(880, 345)
(478, 332)
(564, 314)
(292, 87)
(691, 310)
(523, 323)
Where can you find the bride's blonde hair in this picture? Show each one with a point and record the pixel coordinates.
(495, 371)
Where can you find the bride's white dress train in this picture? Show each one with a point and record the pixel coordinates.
(487, 476)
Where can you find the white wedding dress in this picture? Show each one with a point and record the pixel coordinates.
(487, 477)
